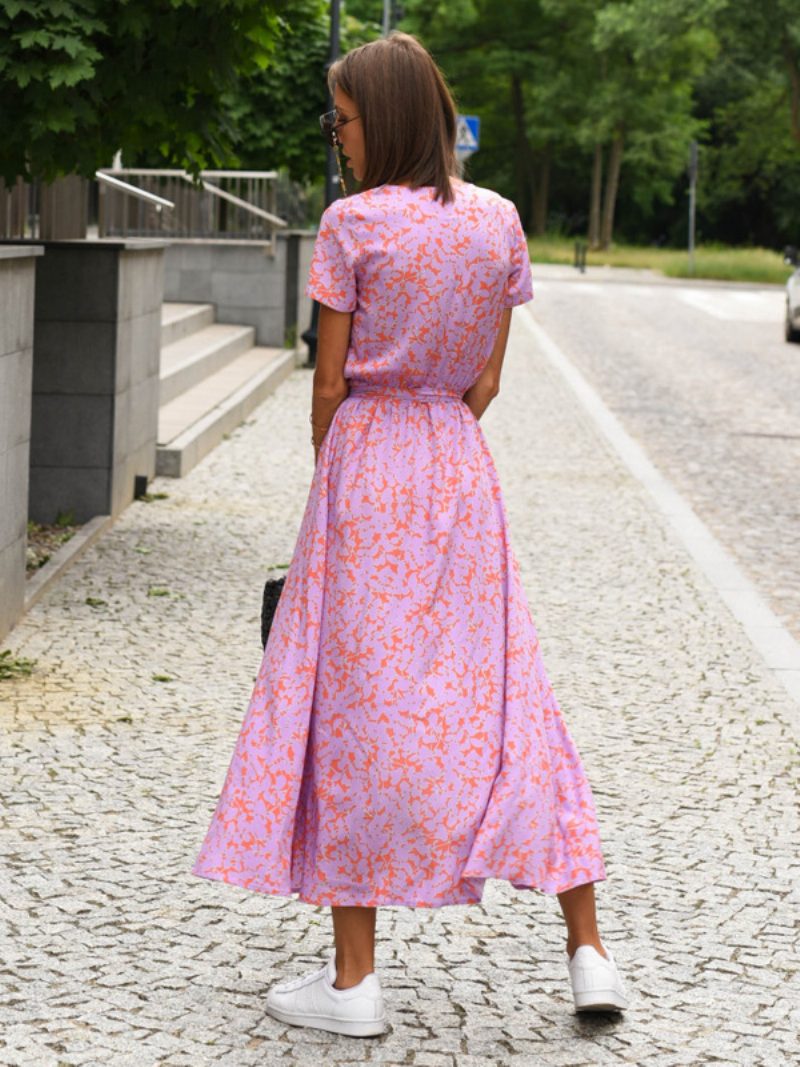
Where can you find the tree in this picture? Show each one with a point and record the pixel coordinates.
(748, 99)
(773, 31)
(502, 62)
(640, 63)
(276, 110)
(80, 79)
(611, 80)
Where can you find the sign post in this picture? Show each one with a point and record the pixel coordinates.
(468, 136)
(692, 201)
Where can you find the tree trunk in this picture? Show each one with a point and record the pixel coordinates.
(541, 193)
(612, 186)
(523, 169)
(594, 205)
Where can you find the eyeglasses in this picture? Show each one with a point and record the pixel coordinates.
(330, 122)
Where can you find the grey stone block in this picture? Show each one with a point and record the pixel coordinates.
(120, 424)
(8, 510)
(143, 414)
(195, 286)
(98, 332)
(242, 259)
(74, 357)
(304, 303)
(17, 278)
(122, 478)
(141, 282)
(138, 349)
(141, 461)
(75, 284)
(246, 285)
(146, 345)
(16, 372)
(71, 431)
(17, 283)
(14, 486)
(268, 322)
(12, 583)
(189, 256)
(55, 490)
(172, 285)
(245, 290)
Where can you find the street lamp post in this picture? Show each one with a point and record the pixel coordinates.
(332, 190)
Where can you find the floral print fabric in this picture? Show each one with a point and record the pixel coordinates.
(403, 742)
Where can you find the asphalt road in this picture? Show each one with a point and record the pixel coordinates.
(700, 375)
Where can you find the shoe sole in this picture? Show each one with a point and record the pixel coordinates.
(600, 1000)
(350, 1027)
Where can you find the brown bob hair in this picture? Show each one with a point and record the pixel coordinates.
(406, 110)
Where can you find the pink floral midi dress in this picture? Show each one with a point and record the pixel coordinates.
(403, 742)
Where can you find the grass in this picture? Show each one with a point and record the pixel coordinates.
(718, 262)
(12, 666)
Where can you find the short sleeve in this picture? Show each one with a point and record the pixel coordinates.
(519, 285)
(331, 278)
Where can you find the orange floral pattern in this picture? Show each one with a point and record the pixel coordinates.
(403, 742)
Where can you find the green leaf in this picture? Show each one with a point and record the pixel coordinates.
(32, 38)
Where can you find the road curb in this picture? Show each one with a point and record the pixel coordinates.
(61, 560)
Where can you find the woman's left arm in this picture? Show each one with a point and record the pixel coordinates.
(330, 385)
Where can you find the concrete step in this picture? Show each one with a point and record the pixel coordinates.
(178, 320)
(196, 421)
(186, 362)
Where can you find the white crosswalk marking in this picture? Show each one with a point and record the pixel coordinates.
(736, 305)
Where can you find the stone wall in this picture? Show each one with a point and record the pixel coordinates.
(245, 282)
(97, 339)
(304, 303)
(17, 283)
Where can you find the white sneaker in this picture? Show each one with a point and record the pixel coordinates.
(596, 982)
(312, 1001)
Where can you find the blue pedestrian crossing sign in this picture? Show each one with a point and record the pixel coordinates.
(468, 130)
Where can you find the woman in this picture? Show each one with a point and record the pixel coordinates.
(403, 742)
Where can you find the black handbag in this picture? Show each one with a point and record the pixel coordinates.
(272, 592)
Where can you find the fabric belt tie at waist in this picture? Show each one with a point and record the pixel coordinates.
(403, 394)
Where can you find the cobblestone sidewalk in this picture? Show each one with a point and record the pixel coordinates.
(115, 749)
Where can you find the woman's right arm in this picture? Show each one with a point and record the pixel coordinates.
(486, 387)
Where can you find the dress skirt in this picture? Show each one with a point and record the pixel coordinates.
(403, 742)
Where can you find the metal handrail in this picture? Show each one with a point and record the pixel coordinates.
(215, 189)
(133, 190)
(165, 172)
(203, 210)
